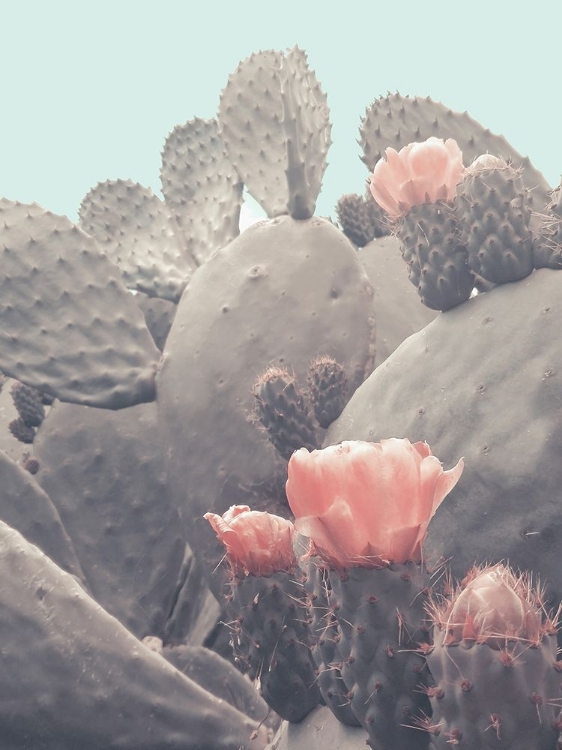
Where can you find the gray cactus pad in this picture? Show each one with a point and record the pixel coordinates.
(73, 676)
(135, 228)
(274, 121)
(68, 326)
(105, 472)
(282, 293)
(482, 381)
(29, 510)
(201, 188)
(399, 311)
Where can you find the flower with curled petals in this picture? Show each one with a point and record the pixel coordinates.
(256, 542)
(419, 173)
(367, 504)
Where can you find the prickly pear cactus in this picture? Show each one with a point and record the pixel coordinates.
(281, 292)
(481, 381)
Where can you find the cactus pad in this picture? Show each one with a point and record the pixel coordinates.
(68, 325)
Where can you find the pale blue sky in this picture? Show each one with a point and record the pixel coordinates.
(91, 89)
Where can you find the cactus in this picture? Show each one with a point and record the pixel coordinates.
(494, 666)
(283, 412)
(361, 219)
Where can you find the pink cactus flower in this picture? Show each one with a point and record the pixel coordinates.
(419, 173)
(257, 543)
(366, 504)
(493, 606)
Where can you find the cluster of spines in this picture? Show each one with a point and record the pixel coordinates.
(361, 219)
(291, 415)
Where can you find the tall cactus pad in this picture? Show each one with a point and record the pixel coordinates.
(105, 472)
(274, 121)
(482, 381)
(68, 326)
(307, 130)
(201, 188)
(133, 226)
(396, 121)
(73, 676)
(281, 292)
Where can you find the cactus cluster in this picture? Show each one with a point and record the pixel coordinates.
(158, 336)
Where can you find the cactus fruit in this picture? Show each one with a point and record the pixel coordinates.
(494, 665)
(361, 219)
(272, 640)
(21, 431)
(28, 404)
(327, 388)
(281, 408)
(69, 326)
(325, 637)
(494, 213)
(267, 609)
(384, 633)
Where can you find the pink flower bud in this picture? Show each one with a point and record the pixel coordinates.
(366, 504)
(484, 162)
(419, 173)
(493, 606)
(257, 543)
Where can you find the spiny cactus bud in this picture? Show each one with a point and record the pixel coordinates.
(28, 403)
(361, 220)
(21, 431)
(493, 605)
(327, 387)
(282, 410)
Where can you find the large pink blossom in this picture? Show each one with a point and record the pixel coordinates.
(419, 173)
(493, 606)
(256, 542)
(366, 503)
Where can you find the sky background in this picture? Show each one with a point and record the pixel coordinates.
(90, 90)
